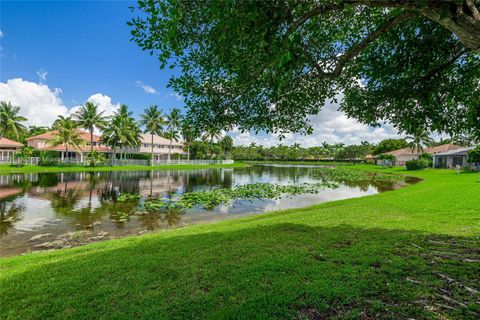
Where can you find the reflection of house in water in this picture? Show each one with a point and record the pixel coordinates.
(8, 192)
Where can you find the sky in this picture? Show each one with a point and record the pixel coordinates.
(56, 55)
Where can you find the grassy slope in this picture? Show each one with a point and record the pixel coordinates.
(371, 258)
(7, 169)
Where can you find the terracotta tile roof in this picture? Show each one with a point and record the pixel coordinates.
(433, 150)
(442, 148)
(61, 147)
(147, 138)
(404, 151)
(51, 134)
(4, 142)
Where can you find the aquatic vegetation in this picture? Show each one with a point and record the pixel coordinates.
(352, 175)
(124, 196)
(209, 199)
(121, 216)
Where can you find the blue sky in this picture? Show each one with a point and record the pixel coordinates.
(56, 55)
(85, 48)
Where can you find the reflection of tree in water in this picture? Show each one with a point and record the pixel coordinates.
(46, 180)
(64, 201)
(172, 216)
(364, 185)
(152, 220)
(118, 212)
(10, 213)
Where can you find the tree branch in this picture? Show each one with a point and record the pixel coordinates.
(307, 16)
(359, 47)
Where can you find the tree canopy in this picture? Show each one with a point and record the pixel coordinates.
(269, 65)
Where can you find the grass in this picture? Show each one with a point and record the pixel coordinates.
(409, 253)
(7, 169)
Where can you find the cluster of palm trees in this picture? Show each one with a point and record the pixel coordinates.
(120, 131)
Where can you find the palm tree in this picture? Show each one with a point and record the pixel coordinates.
(67, 134)
(122, 131)
(153, 121)
(227, 145)
(111, 135)
(89, 118)
(10, 121)
(174, 120)
(418, 138)
(189, 135)
(212, 134)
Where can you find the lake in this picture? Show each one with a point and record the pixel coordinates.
(53, 210)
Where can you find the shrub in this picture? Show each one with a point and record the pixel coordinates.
(474, 155)
(94, 158)
(417, 164)
(48, 162)
(428, 157)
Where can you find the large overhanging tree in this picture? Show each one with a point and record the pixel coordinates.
(268, 65)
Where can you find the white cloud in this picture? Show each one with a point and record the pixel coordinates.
(175, 95)
(42, 75)
(329, 125)
(42, 105)
(146, 88)
(38, 103)
(103, 102)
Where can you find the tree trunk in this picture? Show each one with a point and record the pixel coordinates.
(114, 154)
(170, 147)
(91, 140)
(151, 157)
(463, 20)
(188, 152)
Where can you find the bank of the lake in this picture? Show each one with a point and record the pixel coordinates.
(409, 253)
(7, 169)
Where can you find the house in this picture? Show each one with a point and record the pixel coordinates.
(8, 148)
(453, 159)
(161, 147)
(41, 142)
(407, 154)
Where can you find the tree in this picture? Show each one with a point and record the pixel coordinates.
(174, 120)
(352, 153)
(227, 145)
(269, 65)
(387, 158)
(465, 140)
(418, 139)
(35, 130)
(388, 145)
(89, 118)
(212, 133)
(121, 131)
(10, 121)
(67, 134)
(153, 121)
(189, 135)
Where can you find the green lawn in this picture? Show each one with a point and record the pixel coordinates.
(6, 169)
(410, 253)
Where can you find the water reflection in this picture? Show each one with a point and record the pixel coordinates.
(56, 203)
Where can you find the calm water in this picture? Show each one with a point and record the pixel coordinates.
(40, 208)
